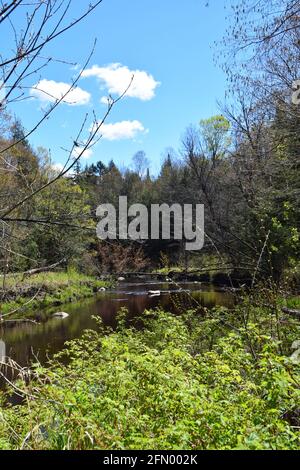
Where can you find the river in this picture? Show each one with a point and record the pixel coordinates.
(25, 342)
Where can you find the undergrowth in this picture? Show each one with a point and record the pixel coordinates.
(214, 379)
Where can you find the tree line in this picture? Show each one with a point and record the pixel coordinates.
(242, 164)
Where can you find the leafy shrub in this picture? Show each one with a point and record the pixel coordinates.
(186, 382)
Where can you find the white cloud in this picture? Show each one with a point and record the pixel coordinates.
(121, 130)
(105, 100)
(51, 91)
(117, 77)
(86, 154)
(58, 167)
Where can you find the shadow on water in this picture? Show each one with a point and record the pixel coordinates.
(26, 342)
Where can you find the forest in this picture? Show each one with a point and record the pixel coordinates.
(207, 377)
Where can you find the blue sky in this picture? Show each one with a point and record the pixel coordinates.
(170, 45)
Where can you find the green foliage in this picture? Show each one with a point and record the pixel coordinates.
(215, 136)
(188, 382)
(247, 182)
(46, 290)
(66, 204)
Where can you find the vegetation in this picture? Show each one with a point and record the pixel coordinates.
(23, 297)
(197, 381)
(218, 379)
(242, 165)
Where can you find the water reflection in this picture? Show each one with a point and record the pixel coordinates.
(25, 342)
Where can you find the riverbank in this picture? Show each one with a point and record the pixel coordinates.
(24, 339)
(22, 298)
(225, 380)
(211, 271)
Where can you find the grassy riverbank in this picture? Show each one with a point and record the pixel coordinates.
(210, 270)
(23, 297)
(220, 380)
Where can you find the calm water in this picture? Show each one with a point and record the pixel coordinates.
(26, 341)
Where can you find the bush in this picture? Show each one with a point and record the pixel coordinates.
(185, 382)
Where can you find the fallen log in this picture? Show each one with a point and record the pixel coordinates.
(25, 320)
(45, 269)
(290, 311)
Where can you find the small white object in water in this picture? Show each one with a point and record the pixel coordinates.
(102, 289)
(62, 315)
(154, 292)
(2, 351)
(168, 279)
(121, 279)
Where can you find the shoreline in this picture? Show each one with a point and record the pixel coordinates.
(23, 299)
